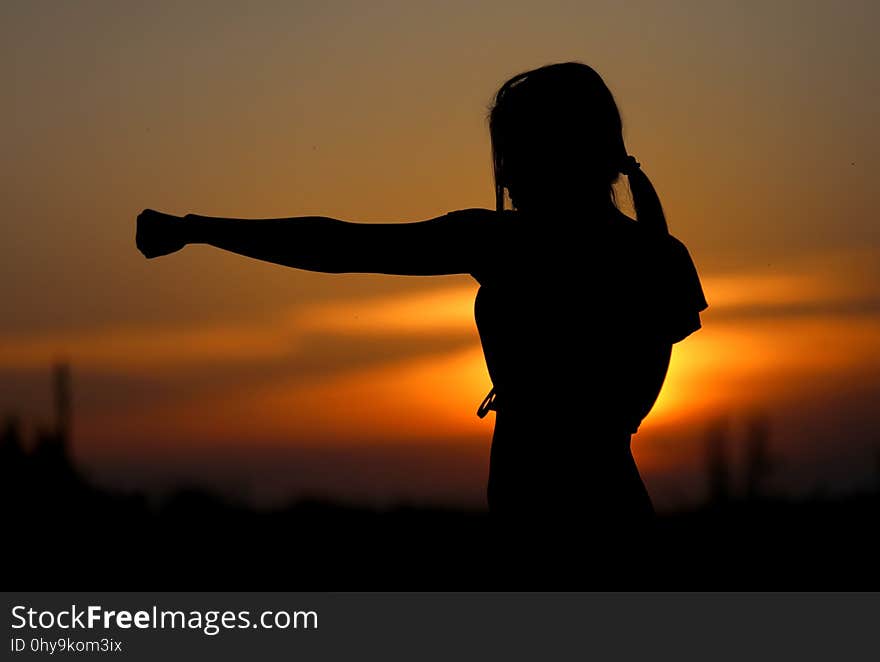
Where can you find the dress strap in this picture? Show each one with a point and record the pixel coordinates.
(487, 405)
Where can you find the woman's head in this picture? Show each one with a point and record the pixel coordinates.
(557, 141)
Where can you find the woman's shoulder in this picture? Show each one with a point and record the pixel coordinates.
(490, 237)
(485, 228)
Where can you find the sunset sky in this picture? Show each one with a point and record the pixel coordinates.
(756, 121)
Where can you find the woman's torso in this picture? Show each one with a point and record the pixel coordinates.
(564, 314)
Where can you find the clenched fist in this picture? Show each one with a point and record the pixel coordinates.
(159, 234)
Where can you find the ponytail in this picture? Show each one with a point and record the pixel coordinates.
(645, 199)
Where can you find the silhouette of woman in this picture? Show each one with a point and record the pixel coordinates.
(578, 306)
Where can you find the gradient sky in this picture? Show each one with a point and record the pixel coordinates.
(757, 122)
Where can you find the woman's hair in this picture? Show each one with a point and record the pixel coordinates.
(556, 131)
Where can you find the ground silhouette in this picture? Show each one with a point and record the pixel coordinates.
(63, 533)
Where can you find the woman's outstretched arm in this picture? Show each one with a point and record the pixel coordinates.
(449, 244)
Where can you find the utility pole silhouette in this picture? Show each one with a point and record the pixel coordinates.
(759, 464)
(51, 451)
(718, 464)
(61, 379)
